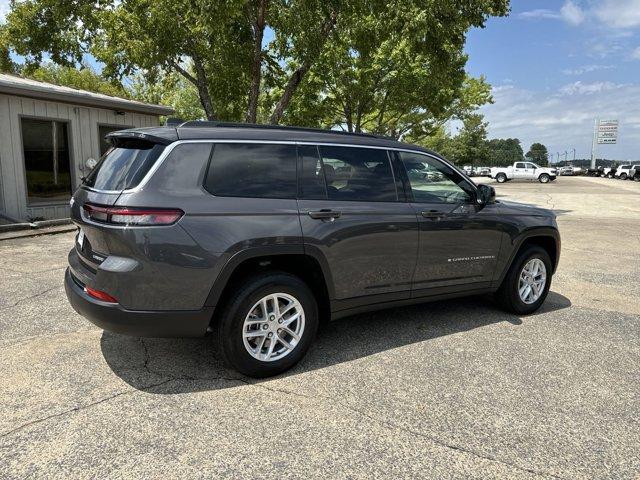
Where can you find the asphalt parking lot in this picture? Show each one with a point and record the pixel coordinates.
(453, 389)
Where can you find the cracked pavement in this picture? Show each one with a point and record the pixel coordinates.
(452, 389)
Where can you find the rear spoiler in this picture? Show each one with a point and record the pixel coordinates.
(161, 135)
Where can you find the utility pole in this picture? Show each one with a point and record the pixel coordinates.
(594, 143)
(574, 154)
(565, 156)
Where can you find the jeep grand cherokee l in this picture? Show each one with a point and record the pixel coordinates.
(256, 234)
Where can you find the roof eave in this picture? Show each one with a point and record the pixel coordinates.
(85, 100)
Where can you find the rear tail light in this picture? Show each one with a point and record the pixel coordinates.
(105, 297)
(132, 215)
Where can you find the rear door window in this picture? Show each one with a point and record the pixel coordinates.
(252, 170)
(124, 165)
(358, 174)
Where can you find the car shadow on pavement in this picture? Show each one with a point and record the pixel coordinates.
(170, 366)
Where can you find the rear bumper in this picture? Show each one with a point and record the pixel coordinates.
(138, 323)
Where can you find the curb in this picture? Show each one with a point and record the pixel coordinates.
(36, 231)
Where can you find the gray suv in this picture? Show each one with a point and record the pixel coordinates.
(257, 234)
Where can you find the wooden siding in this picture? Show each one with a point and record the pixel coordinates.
(83, 144)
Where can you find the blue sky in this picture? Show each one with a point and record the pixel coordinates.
(554, 66)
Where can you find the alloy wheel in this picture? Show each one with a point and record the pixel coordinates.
(533, 279)
(273, 327)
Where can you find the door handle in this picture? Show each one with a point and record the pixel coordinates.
(433, 214)
(325, 214)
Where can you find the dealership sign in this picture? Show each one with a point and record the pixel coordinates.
(607, 131)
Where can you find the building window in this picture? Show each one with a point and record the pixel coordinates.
(103, 131)
(46, 160)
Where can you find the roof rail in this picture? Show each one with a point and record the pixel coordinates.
(213, 124)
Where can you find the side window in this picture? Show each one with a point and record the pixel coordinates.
(358, 174)
(432, 181)
(531, 165)
(252, 170)
(520, 165)
(311, 176)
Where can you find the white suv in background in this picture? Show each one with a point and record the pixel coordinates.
(625, 171)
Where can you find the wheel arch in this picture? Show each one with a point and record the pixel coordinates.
(546, 238)
(306, 263)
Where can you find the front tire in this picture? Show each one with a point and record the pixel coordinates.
(623, 176)
(501, 178)
(268, 325)
(544, 178)
(526, 285)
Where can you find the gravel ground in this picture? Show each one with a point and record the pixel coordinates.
(452, 389)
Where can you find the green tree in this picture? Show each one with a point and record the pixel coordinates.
(471, 142)
(6, 64)
(394, 68)
(84, 78)
(172, 90)
(504, 151)
(538, 154)
(214, 45)
(397, 71)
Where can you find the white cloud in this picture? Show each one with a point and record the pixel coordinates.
(570, 13)
(540, 13)
(613, 14)
(580, 88)
(618, 13)
(586, 69)
(563, 119)
(636, 54)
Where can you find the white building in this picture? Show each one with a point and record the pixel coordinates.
(47, 134)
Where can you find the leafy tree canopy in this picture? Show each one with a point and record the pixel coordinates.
(84, 78)
(505, 151)
(395, 68)
(538, 153)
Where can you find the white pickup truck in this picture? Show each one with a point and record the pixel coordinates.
(625, 171)
(524, 171)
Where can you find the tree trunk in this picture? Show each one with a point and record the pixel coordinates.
(203, 89)
(285, 99)
(256, 67)
(200, 82)
(297, 76)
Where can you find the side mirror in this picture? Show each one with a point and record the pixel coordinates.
(486, 194)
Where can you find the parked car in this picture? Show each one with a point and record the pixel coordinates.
(609, 172)
(524, 171)
(623, 172)
(483, 171)
(635, 174)
(248, 233)
(567, 170)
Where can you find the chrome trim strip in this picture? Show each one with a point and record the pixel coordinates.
(173, 145)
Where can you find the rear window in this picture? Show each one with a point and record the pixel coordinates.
(124, 165)
(252, 170)
(358, 174)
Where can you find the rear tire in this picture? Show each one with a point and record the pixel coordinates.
(246, 348)
(501, 178)
(509, 294)
(623, 176)
(544, 178)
